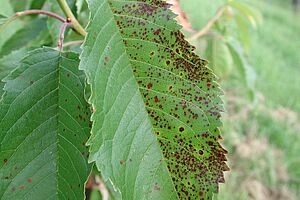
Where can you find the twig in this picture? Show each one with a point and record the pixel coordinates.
(66, 9)
(102, 188)
(75, 42)
(209, 24)
(44, 12)
(62, 35)
(29, 12)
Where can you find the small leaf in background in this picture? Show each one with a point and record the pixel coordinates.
(27, 4)
(26, 37)
(156, 105)
(219, 57)
(44, 127)
(250, 13)
(246, 70)
(8, 29)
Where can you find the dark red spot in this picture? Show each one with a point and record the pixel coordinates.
(157, 32)
(155, 99)
(200, 194)
(149, 86)
(181, 129)
(168, 62)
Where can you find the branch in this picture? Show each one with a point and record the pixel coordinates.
(75, 42)
(66, 9)
(101, 187)
(62, 35)
(209, 24)
(44, 12)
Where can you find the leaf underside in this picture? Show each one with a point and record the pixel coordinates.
(156, 105)
(43, 129)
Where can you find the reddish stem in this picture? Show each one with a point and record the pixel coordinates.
(44, 12)
(62, 35)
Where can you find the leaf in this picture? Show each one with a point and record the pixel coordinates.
(219, 56)
(156, 106)
(27, 4)
(9, 63)
(7, 29)
(26, 36)
(44, 126)
(245, 9)
(245, 69)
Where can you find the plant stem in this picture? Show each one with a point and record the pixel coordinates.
(66, 9)
(62, 35)
(44, 12)
(209, 24)
(75, 42)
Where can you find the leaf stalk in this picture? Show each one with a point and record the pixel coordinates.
(66, 9)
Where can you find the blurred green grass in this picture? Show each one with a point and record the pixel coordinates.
(264, 138)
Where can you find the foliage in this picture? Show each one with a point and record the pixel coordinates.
(225, 41)
(150, 112)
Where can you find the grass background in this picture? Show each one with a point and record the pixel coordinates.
(263, 138)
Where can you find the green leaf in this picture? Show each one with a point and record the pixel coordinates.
(8, 63)
(249, 12)
(219, 57)
(28, 36)
(27, 4)
(156, 105)
(246, 70)
(44, 125)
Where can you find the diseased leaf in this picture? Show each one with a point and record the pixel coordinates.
(44, 126)
(156, 105)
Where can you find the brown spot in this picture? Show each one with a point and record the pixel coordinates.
(156, 99)
(181, 129)
(22, 187)
(149, 86)
(200, 194)
(156, 188)
(13, 189)
(122, 162)
(29, 180)
(157, 32)
(168, 62)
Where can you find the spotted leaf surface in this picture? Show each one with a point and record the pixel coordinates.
(44, 125)
(156, 104)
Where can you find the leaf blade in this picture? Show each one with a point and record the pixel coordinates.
(42, 136)
(133, 53)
